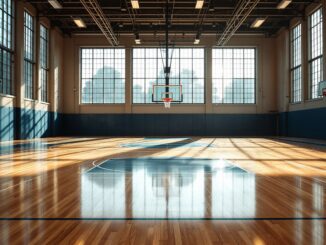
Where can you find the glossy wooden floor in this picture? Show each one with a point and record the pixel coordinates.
(48, 197)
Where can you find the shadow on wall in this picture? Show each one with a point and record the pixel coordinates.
(6, 123)
(35, 123)
(17, 123)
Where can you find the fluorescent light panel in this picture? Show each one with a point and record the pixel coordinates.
(79, 22)
(283, 4)
(135, 4)
(55, 4)
(199, 4)
(258, 22)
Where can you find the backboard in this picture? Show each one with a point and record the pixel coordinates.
(322, 88)
(160, 92)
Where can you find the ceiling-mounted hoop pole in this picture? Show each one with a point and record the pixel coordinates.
(167, 68)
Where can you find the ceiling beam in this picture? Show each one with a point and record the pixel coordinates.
(242, 11)
(95, 11)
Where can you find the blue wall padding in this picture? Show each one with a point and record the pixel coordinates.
(7, 123)
(16, 123)
(305, 123)
(169, 125)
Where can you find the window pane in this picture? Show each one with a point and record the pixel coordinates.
(187, 69)
(234, 76)
(296, 92)
(44, 45)
(315, 52)
(102, 76)
(29, 55)
(6, 46)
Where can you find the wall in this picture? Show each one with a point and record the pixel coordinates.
(198, 119)
(272, 114)
(24, 118)
(306, 118)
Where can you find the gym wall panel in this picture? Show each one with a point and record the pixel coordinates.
(17, 123)
(7, 123)
(35, 123)
(169, 125)
(305, 123)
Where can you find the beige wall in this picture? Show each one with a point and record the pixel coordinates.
(56, 70)
(266, 78)
(283, 66)
(273, 72)
(55, 64)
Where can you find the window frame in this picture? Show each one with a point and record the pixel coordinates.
(255, 48)
(27, 60)
(8, 49)
(44, 96)
(320, 57)
(179, 59)
(81, 78)
(293, 67)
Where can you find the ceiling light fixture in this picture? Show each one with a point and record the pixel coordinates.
(283, 4)
(258, 22)
(199, 4)
(79, 22)
(137, 39)
(55, 4)
(197, 39)
(135, 4)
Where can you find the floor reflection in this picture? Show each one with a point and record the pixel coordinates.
(167, 188)
(103, 195)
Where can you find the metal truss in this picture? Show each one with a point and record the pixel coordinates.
(240, 14)
(95, 11)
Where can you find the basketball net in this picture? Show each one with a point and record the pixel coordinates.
(167, 102)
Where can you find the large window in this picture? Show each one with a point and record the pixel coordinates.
(29, 55)
(187, 69)
(6, 46)
(102, 75)
(315, 52)
(234, 75)
(44, 64)
(296, 90)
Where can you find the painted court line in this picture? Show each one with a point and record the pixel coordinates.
(158, 219)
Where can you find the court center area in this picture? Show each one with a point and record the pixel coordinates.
(162, 122)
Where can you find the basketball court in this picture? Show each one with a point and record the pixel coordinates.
(162, 122)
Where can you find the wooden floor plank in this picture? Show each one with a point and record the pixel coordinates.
(277, 202)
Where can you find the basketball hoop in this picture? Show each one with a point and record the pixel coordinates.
(167, 102)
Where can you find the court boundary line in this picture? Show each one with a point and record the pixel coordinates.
(94, 165)
(162, 219)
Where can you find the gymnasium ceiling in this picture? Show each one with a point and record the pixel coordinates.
(212, 18)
